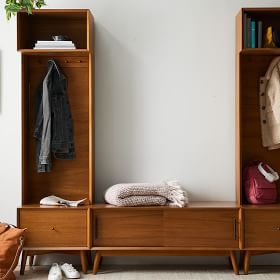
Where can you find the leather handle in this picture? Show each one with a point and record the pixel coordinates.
(15, 261)
(234, 229)
(95, 228)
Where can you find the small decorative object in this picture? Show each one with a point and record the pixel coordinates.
(268, 38)
(13, 6)
(61, 38)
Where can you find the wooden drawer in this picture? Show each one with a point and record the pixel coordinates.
(54, 227)
(209, 228)
(262, 228)
(127, 227)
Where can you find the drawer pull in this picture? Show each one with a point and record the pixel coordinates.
(277, 228)
(95, 228)
(52, 228)
(234, 229)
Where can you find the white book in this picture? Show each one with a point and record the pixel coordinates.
(55, 42)
(42, 44)
(54, 47)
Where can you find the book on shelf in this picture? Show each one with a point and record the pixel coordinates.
(245, 30)
(54, 45)
(252, 32)
(248, 33)
(260, 34)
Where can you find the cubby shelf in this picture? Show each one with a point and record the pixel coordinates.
(261, 51)
(54, 51)
(43, 24)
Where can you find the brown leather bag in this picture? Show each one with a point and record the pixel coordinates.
(11, 243)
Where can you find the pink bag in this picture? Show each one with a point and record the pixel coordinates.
(259, 183)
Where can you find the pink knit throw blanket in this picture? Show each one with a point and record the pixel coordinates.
(145, 194)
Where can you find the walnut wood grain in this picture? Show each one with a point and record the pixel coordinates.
(234, 262)
(54, 228)
(238, 173)
(96, 263)
(127, 228)
(69, 178)
(201, 228)
(262, 229)
(83, 256)
(43, 24)
(258, 223)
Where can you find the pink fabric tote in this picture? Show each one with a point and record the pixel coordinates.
(259, 182)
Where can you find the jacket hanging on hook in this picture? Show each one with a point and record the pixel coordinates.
(53, 127)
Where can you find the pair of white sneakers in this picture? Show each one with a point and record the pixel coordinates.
(67, 270)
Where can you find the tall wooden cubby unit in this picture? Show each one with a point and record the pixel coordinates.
(260, 223)
(58, 228)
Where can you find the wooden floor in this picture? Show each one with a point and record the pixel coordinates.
(165, 272)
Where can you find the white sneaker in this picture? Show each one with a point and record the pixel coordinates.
(69, 271)
(55, 272)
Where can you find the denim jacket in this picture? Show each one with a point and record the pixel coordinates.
(53, 127)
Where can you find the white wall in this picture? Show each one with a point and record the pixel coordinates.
(164, 95)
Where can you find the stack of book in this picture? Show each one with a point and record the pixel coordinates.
(54, 45)
(252, 33)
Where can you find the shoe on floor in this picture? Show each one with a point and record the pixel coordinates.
(69, 271)
(55, 272)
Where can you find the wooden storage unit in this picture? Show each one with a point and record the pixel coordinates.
(206, 228)
(211, 228)
(57, 228)
(262, 228)
(202, 228)
(260, 223)
(43, 24)
(133, 227)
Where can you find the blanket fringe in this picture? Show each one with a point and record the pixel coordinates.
(176, 196)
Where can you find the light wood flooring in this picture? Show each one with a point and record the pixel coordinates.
(164, 272)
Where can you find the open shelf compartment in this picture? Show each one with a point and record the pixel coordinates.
(43, 24)
(69, 179)
(268, 17)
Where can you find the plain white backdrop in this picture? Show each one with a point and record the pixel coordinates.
(164, 96)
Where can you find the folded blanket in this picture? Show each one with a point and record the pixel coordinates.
(145, 194)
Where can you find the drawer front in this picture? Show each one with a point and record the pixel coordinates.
(262, 228)
(127, 227)
(207, 228)
(54, 227)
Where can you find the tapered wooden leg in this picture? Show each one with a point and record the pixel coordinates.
(83, 255)
(246, 262)
(31, 260)
(23, 262)
(234, 262)
(96, 262)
